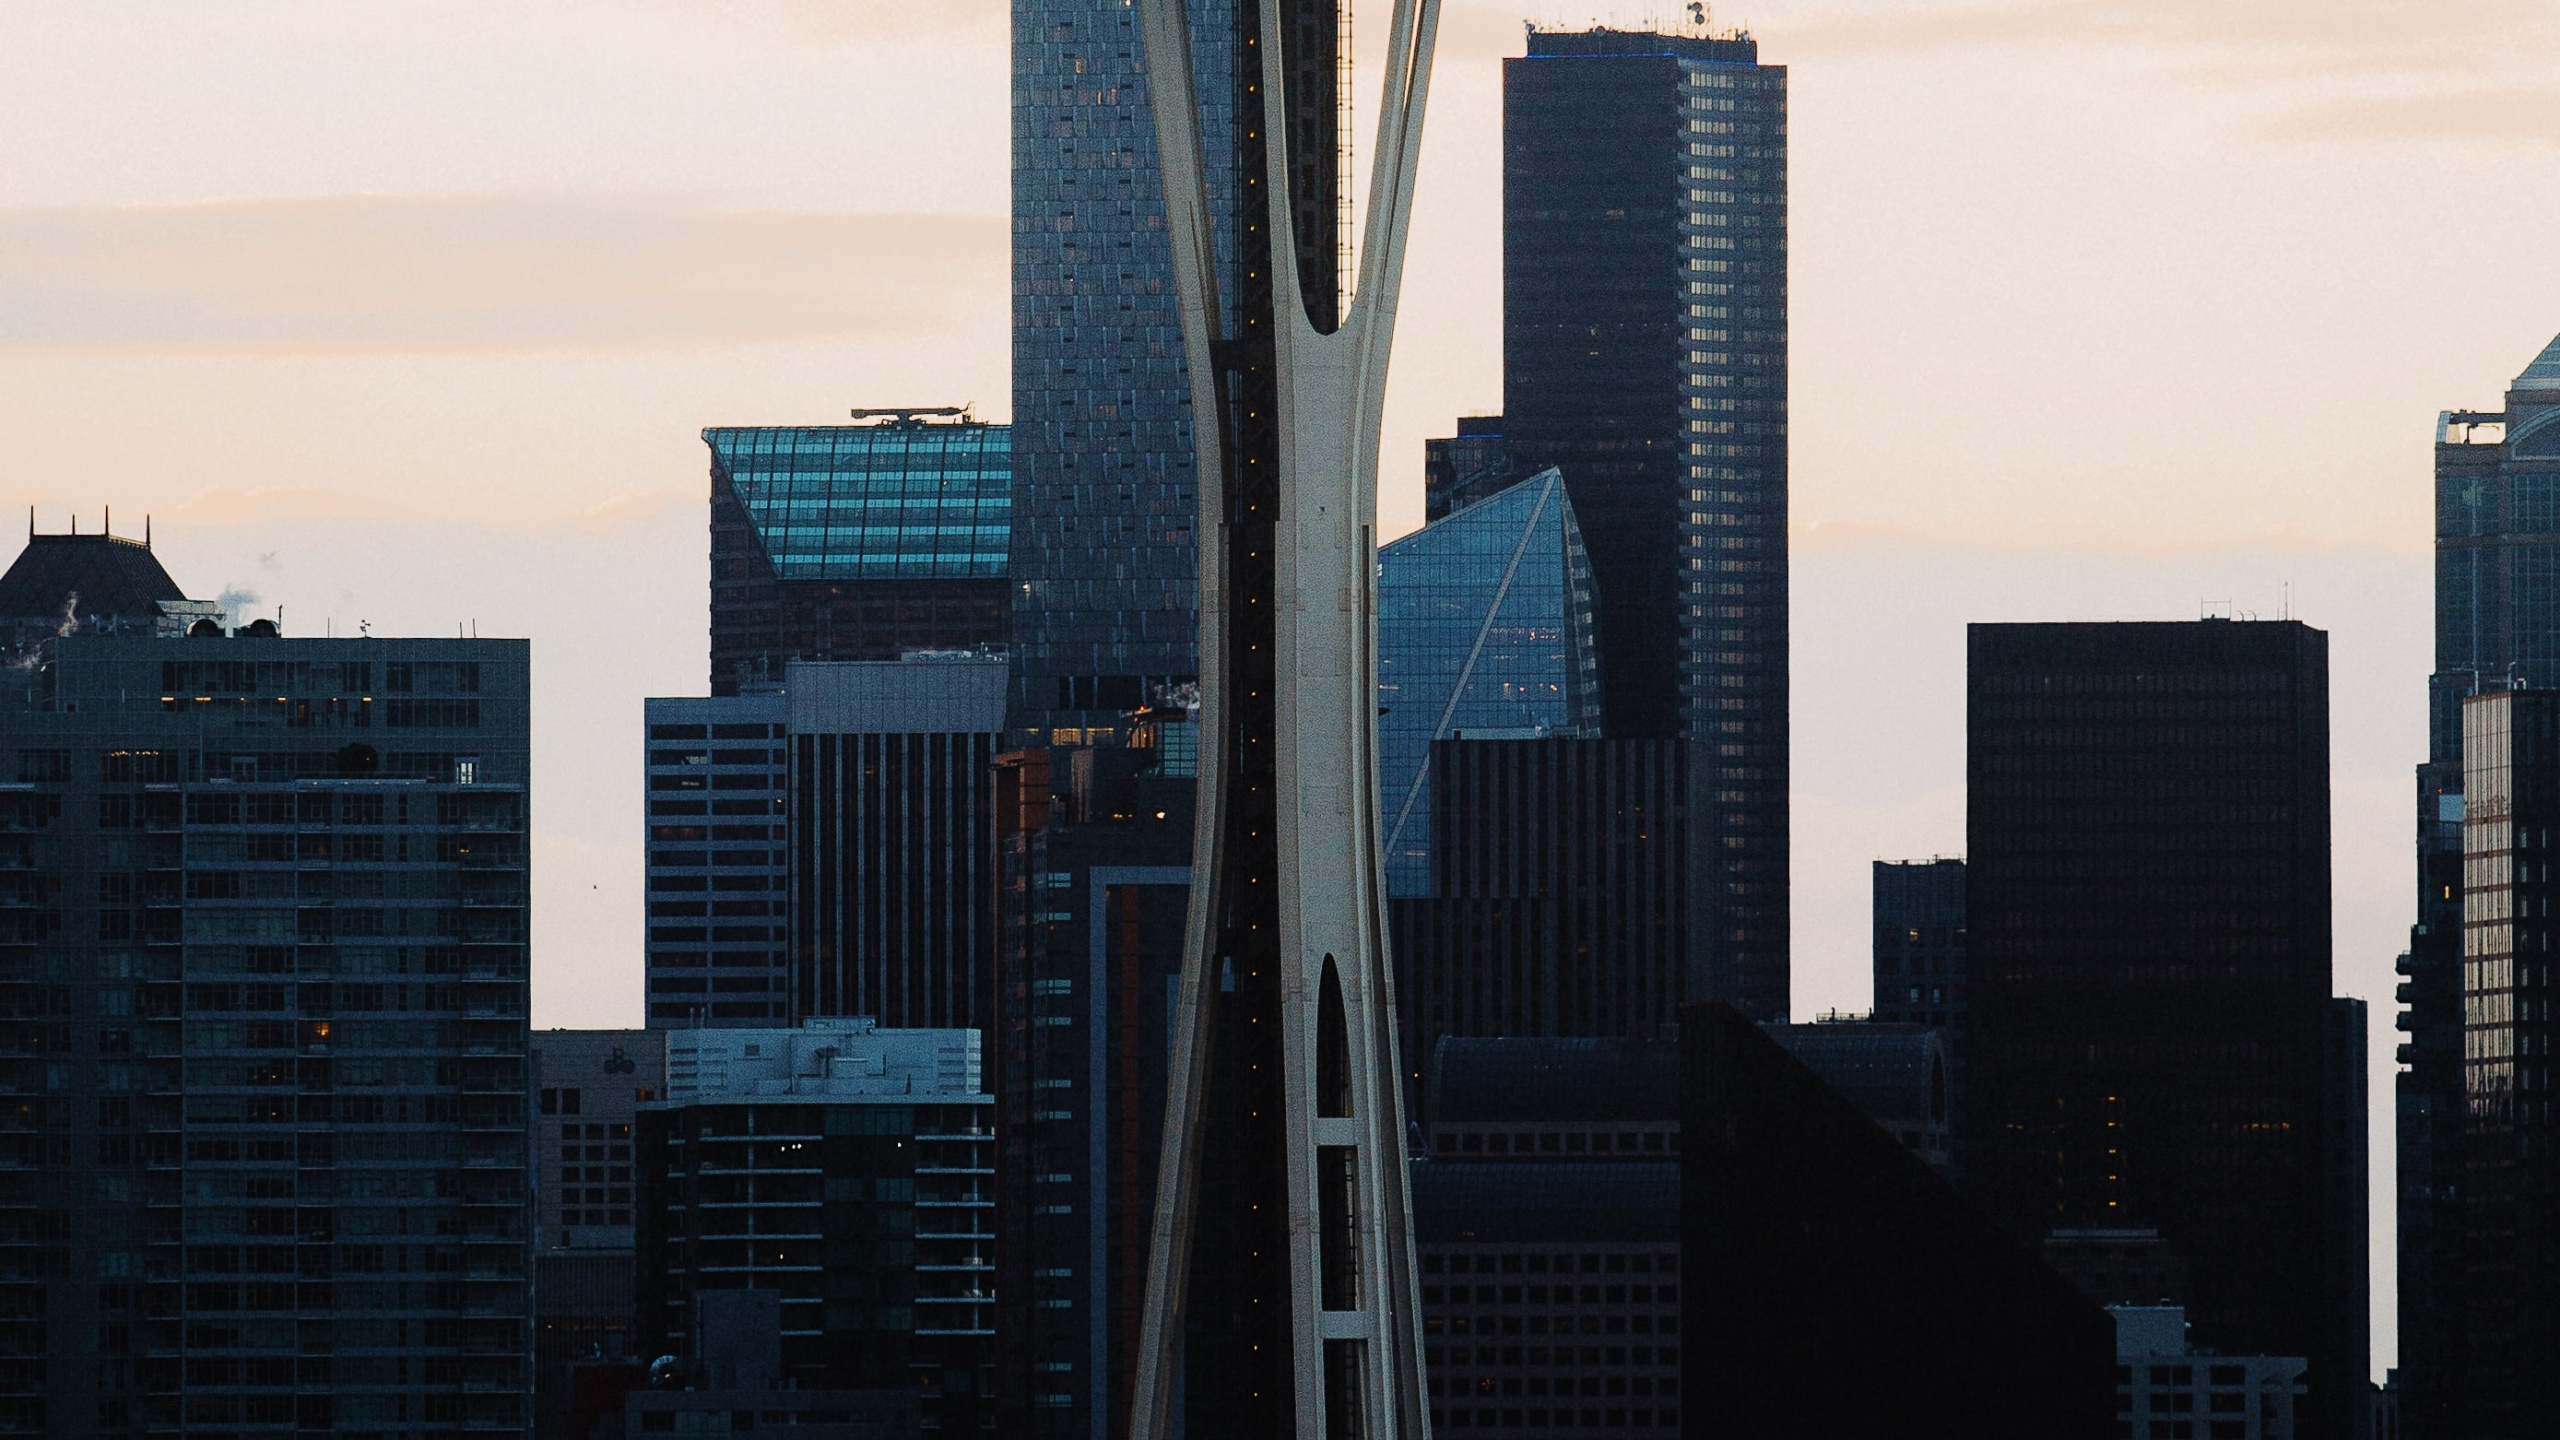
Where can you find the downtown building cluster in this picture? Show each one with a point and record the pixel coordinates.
(284, 1157)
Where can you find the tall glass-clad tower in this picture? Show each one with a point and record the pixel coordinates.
(1105, 583)
(1484, 629)
(856, 542)
(1645, 355)
(2497, 488)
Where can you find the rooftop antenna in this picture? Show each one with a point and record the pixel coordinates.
(146, 529)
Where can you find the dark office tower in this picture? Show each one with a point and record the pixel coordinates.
(1094, 874)
(1559, 902)
(718, 868)
(2497, 490)
(262, 958)
(589, 1086)
(1919, 953)
(856, 542)
(1105, 570)
(840, 1167)
(892, 814)
(1472, 465)
(2509, 1191)
(1645, 355)
(1838, 1286)
(1484, 629)
(90, 585)
(2148, 911)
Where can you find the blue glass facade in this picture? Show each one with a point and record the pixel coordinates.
(855, 542)
(1104, 569)
(1484, 625)
(873, 502)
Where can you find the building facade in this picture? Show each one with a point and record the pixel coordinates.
(2497, 624)
(1919, 954)
(1105, 567)
(2148, 915)
(892, 815)
(1920, 940)
(2164, 1387)
(263, 939)
(1459, 470)
(2509, 1193)
(1547, 1215)
(1645, 355)
(1484, 629)
(719, 872)
(1561, 902)
(1094, 881)
(589, 1086)
(856, 542)
(845, 1168)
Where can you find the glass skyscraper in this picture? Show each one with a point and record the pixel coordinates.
(1645, 355)
(1484, 628)
(2497, 492)
(1105, 569)
(856, 542)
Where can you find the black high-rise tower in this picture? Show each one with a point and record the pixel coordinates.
(2147, 915)
(1645, 355)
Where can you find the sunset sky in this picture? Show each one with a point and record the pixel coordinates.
(410, 314)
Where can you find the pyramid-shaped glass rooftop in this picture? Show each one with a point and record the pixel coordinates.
(2544, 372)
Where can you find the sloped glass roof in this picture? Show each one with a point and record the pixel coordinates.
(1484, 623)
(2544, 372)
(902, 500)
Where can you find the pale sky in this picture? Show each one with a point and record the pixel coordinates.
(411, 313)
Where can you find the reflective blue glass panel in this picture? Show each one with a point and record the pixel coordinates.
(874, 502)
(1484, 628)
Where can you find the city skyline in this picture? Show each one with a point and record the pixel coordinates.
(240, 424)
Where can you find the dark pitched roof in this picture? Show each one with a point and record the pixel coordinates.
(112, 576)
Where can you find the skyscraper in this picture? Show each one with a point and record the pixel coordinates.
(719, 875)
(1105, 567)
(2148, 910)
(2509, 1190)
(2497, 493)
(856, 542)
(892, 814)
(1645, 356)
(263, 945)
(1484, 625)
